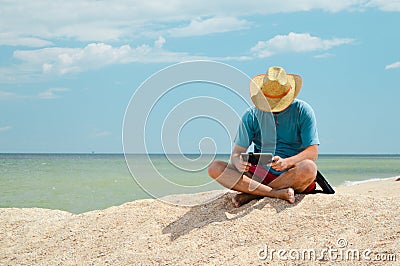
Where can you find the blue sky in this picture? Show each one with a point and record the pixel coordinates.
(69, 68)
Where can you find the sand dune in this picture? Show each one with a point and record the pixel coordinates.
(358, 220)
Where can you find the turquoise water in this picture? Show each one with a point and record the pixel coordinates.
(82, 182)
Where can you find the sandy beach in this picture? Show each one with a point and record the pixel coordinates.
(359, 224)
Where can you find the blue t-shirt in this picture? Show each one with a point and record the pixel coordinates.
(284, 134)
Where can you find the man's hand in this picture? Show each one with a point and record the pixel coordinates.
(237, 160)
(279, 163)
(241, 165)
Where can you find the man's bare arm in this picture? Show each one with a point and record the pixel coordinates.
(237, 161)
(310, 153)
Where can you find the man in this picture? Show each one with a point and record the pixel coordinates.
(279, 124)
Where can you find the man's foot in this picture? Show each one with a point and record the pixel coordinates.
(242, 198)
(285, 194)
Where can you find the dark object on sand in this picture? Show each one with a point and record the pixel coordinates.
(321, 181)
(257, 158)
(398, 179)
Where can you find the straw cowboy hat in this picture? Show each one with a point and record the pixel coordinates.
(275, 90)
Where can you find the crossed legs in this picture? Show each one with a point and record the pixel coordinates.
(296, 179)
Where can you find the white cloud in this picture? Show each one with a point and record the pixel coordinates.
(66, 60)
(60, 60)
(199, 27)
(98, 133)
(39, 23)
(13, 39)
(7, 95)
(34, 23)
(96, 55)
(159, 42)
(6, 128)
(393, 65)
(295, 42)
(51, 93)
(325, 55)
(385, 5)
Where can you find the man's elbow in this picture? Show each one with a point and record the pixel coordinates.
(314, 153)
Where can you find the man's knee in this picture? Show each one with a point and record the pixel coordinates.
(216, 168)
(307, 169)
(306, 172)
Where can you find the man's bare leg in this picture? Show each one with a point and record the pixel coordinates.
(229, 177)
(242, 198)
(299, 178)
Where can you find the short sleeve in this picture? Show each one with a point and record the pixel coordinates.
(308, 126)
(245, 133)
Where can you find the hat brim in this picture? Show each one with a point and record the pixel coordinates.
(266, 104)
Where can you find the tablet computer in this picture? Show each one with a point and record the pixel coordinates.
(257, 158)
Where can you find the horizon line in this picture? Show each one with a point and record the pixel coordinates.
(156, 153)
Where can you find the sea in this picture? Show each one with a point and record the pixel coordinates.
(79, 183)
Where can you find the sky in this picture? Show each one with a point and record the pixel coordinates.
(68, 69)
